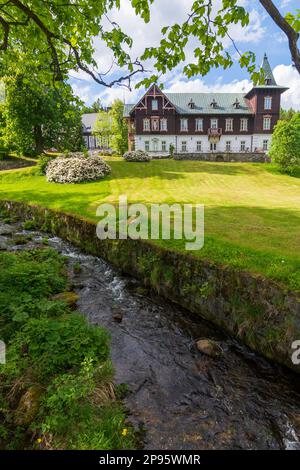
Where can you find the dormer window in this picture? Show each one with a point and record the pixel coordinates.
(268, 102)
(236, 104)
(191, 104)
(214, 104)
(268, 81)
(154, 105)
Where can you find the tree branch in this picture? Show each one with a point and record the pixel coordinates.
(291, 34)
(51, 37)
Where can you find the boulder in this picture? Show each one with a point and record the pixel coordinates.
(4, 243)
(70, 298)
(28, 406)
(209, 347)
(118, 316)
(6, 229)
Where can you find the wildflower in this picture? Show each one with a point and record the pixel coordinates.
(39, 440)
(124, 432)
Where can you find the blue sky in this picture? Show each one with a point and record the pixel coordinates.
(262, 35)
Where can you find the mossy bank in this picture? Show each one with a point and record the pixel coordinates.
(261, 313)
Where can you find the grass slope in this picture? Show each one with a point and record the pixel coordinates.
(252, 212)
(55, 388)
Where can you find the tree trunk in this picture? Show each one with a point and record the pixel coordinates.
(290, 33)
(38, 136)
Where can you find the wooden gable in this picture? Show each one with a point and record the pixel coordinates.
(154, 92)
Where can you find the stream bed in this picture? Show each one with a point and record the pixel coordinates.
(178, 397)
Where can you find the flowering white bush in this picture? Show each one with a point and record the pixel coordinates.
(137, 156)
(72, 155)
(76, 169)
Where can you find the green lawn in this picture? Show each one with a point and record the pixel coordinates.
(252, 212)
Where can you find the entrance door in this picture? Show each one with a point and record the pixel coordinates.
(155, 145)
(213, 147)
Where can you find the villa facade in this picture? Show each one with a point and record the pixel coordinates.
(210, 126)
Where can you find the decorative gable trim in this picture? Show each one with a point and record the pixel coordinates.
(153, 92)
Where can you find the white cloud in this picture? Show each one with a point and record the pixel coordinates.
(83, 91)
(199, 86)
(287, 75)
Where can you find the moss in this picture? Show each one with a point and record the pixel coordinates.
(70, 298)
(206, 290)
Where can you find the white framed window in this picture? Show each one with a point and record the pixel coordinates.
(164, 124)
(183, 146)
(213, 147)
(268, 102)
(228, 146)
(155, 145)
(163, 146)
(147, 146)
(199, 146)
(265, 145)
(199, 125)
(244, 124)
(155, 124)
(214, 123)
(267, 123)
(243, 146)
(229, 125)
(154, 105)
(146, 125)
(183, 125)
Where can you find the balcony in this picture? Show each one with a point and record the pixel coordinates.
(212, 132)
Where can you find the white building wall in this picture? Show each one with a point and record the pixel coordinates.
(258, 141)
(155, 142)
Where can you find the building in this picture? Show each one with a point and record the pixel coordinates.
(88, 126)
(88, 123)
(208, 126)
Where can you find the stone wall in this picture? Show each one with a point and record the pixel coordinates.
(223, 157)
(259, 312)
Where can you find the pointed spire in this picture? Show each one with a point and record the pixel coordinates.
(269, 77)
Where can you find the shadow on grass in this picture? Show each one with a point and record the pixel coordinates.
(171, 169)
(276, 170)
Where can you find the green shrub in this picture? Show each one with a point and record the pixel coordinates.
(57, 345)
(29, 224)
(27, 280)
(43, 163)
(61, 356)
(285, 146)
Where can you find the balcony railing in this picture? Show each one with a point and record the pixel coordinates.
(212, 132)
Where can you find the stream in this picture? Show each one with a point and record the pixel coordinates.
(178, 397)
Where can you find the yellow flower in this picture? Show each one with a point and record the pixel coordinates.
(124, 432)
(39, 440)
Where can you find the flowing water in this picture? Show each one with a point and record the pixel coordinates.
(178, 397)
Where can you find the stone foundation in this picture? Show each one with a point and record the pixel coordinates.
(224, 157)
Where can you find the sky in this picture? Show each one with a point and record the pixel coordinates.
(261, 35)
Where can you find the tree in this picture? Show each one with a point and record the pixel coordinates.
(287, 114)
(39, 116)
(103, 128)
(285, 146)
(61, 33)
(94, 108)
(119, 141)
